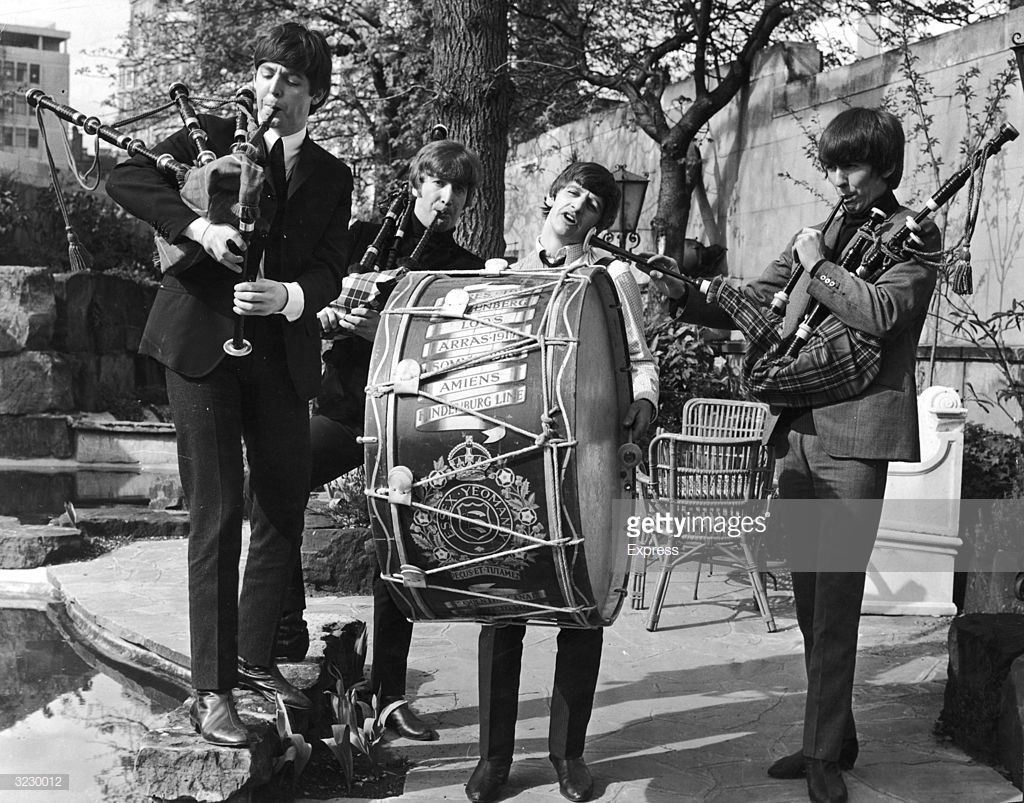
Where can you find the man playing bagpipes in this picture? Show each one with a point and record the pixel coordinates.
(218, 400)
(443, 180)
(838, 447)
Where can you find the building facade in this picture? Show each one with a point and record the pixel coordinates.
(30, 57)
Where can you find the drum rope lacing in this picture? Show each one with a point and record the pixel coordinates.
(547, 440)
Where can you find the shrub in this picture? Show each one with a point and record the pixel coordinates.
(688, 368)
(992, 464)
(32, 231)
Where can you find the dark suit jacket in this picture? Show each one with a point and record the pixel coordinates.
(191, 317)
(880, 423)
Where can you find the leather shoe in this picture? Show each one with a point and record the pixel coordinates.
(824, 782)
(792, 766)
(268, 681)
(574, 781)
(214, 717)
(406, 722)
(292, 641)
(486, 781)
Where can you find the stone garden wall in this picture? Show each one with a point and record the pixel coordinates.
(68, 343)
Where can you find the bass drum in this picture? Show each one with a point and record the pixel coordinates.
(495, 451)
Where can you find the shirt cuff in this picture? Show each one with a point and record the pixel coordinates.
(196, 229)
(296, 302)
(816, 267)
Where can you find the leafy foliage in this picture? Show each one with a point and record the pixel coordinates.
(32, 231)
(992, 464)
(688, 368)
(359, 726)
(347, 504)
(296, 750)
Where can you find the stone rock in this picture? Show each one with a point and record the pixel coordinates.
(35, 495)
(27, 436)
(99, 439)
(982, 647)
(34, 382)
(339, 560)
(129, 523)
(27, 309)
(100, 379)
(1010, 730)
(100, 313)
(31, 545)
(175, 762)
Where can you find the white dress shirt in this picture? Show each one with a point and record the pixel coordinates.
(642, 366)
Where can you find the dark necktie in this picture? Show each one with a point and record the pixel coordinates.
(277, 171)
(275, 161)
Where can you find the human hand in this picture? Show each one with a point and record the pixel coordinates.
(260, 297)
(666, 285)
(808, 247)
(329, 318)
(361, 322)
(224, 244)
(638, 418)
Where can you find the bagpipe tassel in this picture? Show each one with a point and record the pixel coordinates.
(79, 258)
(961, 277)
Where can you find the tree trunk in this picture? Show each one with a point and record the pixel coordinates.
(673, 206)
(474, 96)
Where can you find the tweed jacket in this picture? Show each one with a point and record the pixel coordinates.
(879, 423)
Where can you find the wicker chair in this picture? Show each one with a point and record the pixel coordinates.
(723, 418)
(716, 467)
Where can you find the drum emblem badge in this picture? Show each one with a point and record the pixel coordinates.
(474, 506)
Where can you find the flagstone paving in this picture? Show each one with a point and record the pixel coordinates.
(692, 712)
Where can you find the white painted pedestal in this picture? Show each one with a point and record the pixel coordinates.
(911, 567)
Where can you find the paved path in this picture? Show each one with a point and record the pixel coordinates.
(692, 712)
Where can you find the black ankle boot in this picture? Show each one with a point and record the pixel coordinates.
(486, 781)
(825, 782)
(792, 766)
(574, 781)
(214, 717)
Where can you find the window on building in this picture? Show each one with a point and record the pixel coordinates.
(22, 72)
(33, 73)
(33, 138)
(8, 70)
(20, 137)
(7, 104)
(12, 39)
(7, 136)
(51, 44)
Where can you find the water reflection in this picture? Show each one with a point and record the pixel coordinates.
(60, 714)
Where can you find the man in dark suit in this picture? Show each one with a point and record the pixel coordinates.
(838, 453)
(443, 180)
(219, 401)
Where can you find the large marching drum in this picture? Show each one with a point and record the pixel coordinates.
(495, 451)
